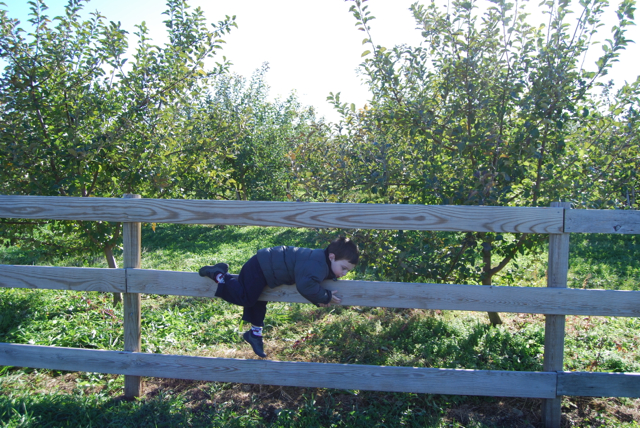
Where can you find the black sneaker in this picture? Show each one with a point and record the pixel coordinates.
(255, 342)
(213, 271)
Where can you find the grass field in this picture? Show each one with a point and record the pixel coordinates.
(299, 332)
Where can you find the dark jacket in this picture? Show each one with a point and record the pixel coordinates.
(304, 267)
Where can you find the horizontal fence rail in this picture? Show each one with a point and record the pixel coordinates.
(532, 300)
(63, 278)
(287, 214)
(599, 384)
(602, 221)
(325, 375)
(319, 375)
(330, 215)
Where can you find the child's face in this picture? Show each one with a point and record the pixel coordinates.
(340, 267)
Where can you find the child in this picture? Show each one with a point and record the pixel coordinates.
(276, 266)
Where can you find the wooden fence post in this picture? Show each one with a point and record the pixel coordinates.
(131, 236)
(558, 269)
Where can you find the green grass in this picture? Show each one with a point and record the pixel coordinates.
(299, 332)
(607, 262)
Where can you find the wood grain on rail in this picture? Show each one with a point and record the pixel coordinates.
(301, 374)
(287, 214)
(602, 221)
(535, 300)
(63, 278)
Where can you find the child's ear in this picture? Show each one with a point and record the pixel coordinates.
(332, 257)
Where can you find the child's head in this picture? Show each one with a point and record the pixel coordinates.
(344, 249)
(344, 255)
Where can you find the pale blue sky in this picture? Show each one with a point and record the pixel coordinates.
(311, 46)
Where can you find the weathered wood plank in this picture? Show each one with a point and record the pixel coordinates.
(319, 375)
(602, 221)
(599, 384)
(555, 324)
(286, 214)
(354, 293)
(534, 300)
(131, 304)
(63, 278)
(150, 281)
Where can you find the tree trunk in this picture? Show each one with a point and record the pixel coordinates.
(494, 317)
(111, 261)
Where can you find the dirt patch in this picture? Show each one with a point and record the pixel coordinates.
(588, 411)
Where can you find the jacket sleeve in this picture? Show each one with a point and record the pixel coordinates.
(308, 280)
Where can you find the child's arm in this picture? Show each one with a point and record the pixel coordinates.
(310, 270)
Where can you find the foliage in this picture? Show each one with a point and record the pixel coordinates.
(607, 150)
(237, 141)
(489, 110)
(80, 119)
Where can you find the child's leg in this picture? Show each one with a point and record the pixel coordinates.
(254, 311)
(255, 314)
(255, 282)
(246, 288)
(245, 291)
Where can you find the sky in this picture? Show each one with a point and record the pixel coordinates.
(312, 47)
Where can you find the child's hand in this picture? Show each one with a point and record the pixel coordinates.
(335, 300)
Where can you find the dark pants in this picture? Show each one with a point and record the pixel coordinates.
(245, 290)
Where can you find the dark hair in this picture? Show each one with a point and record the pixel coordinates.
(344, 249)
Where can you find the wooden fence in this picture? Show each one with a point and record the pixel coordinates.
(555, 301)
